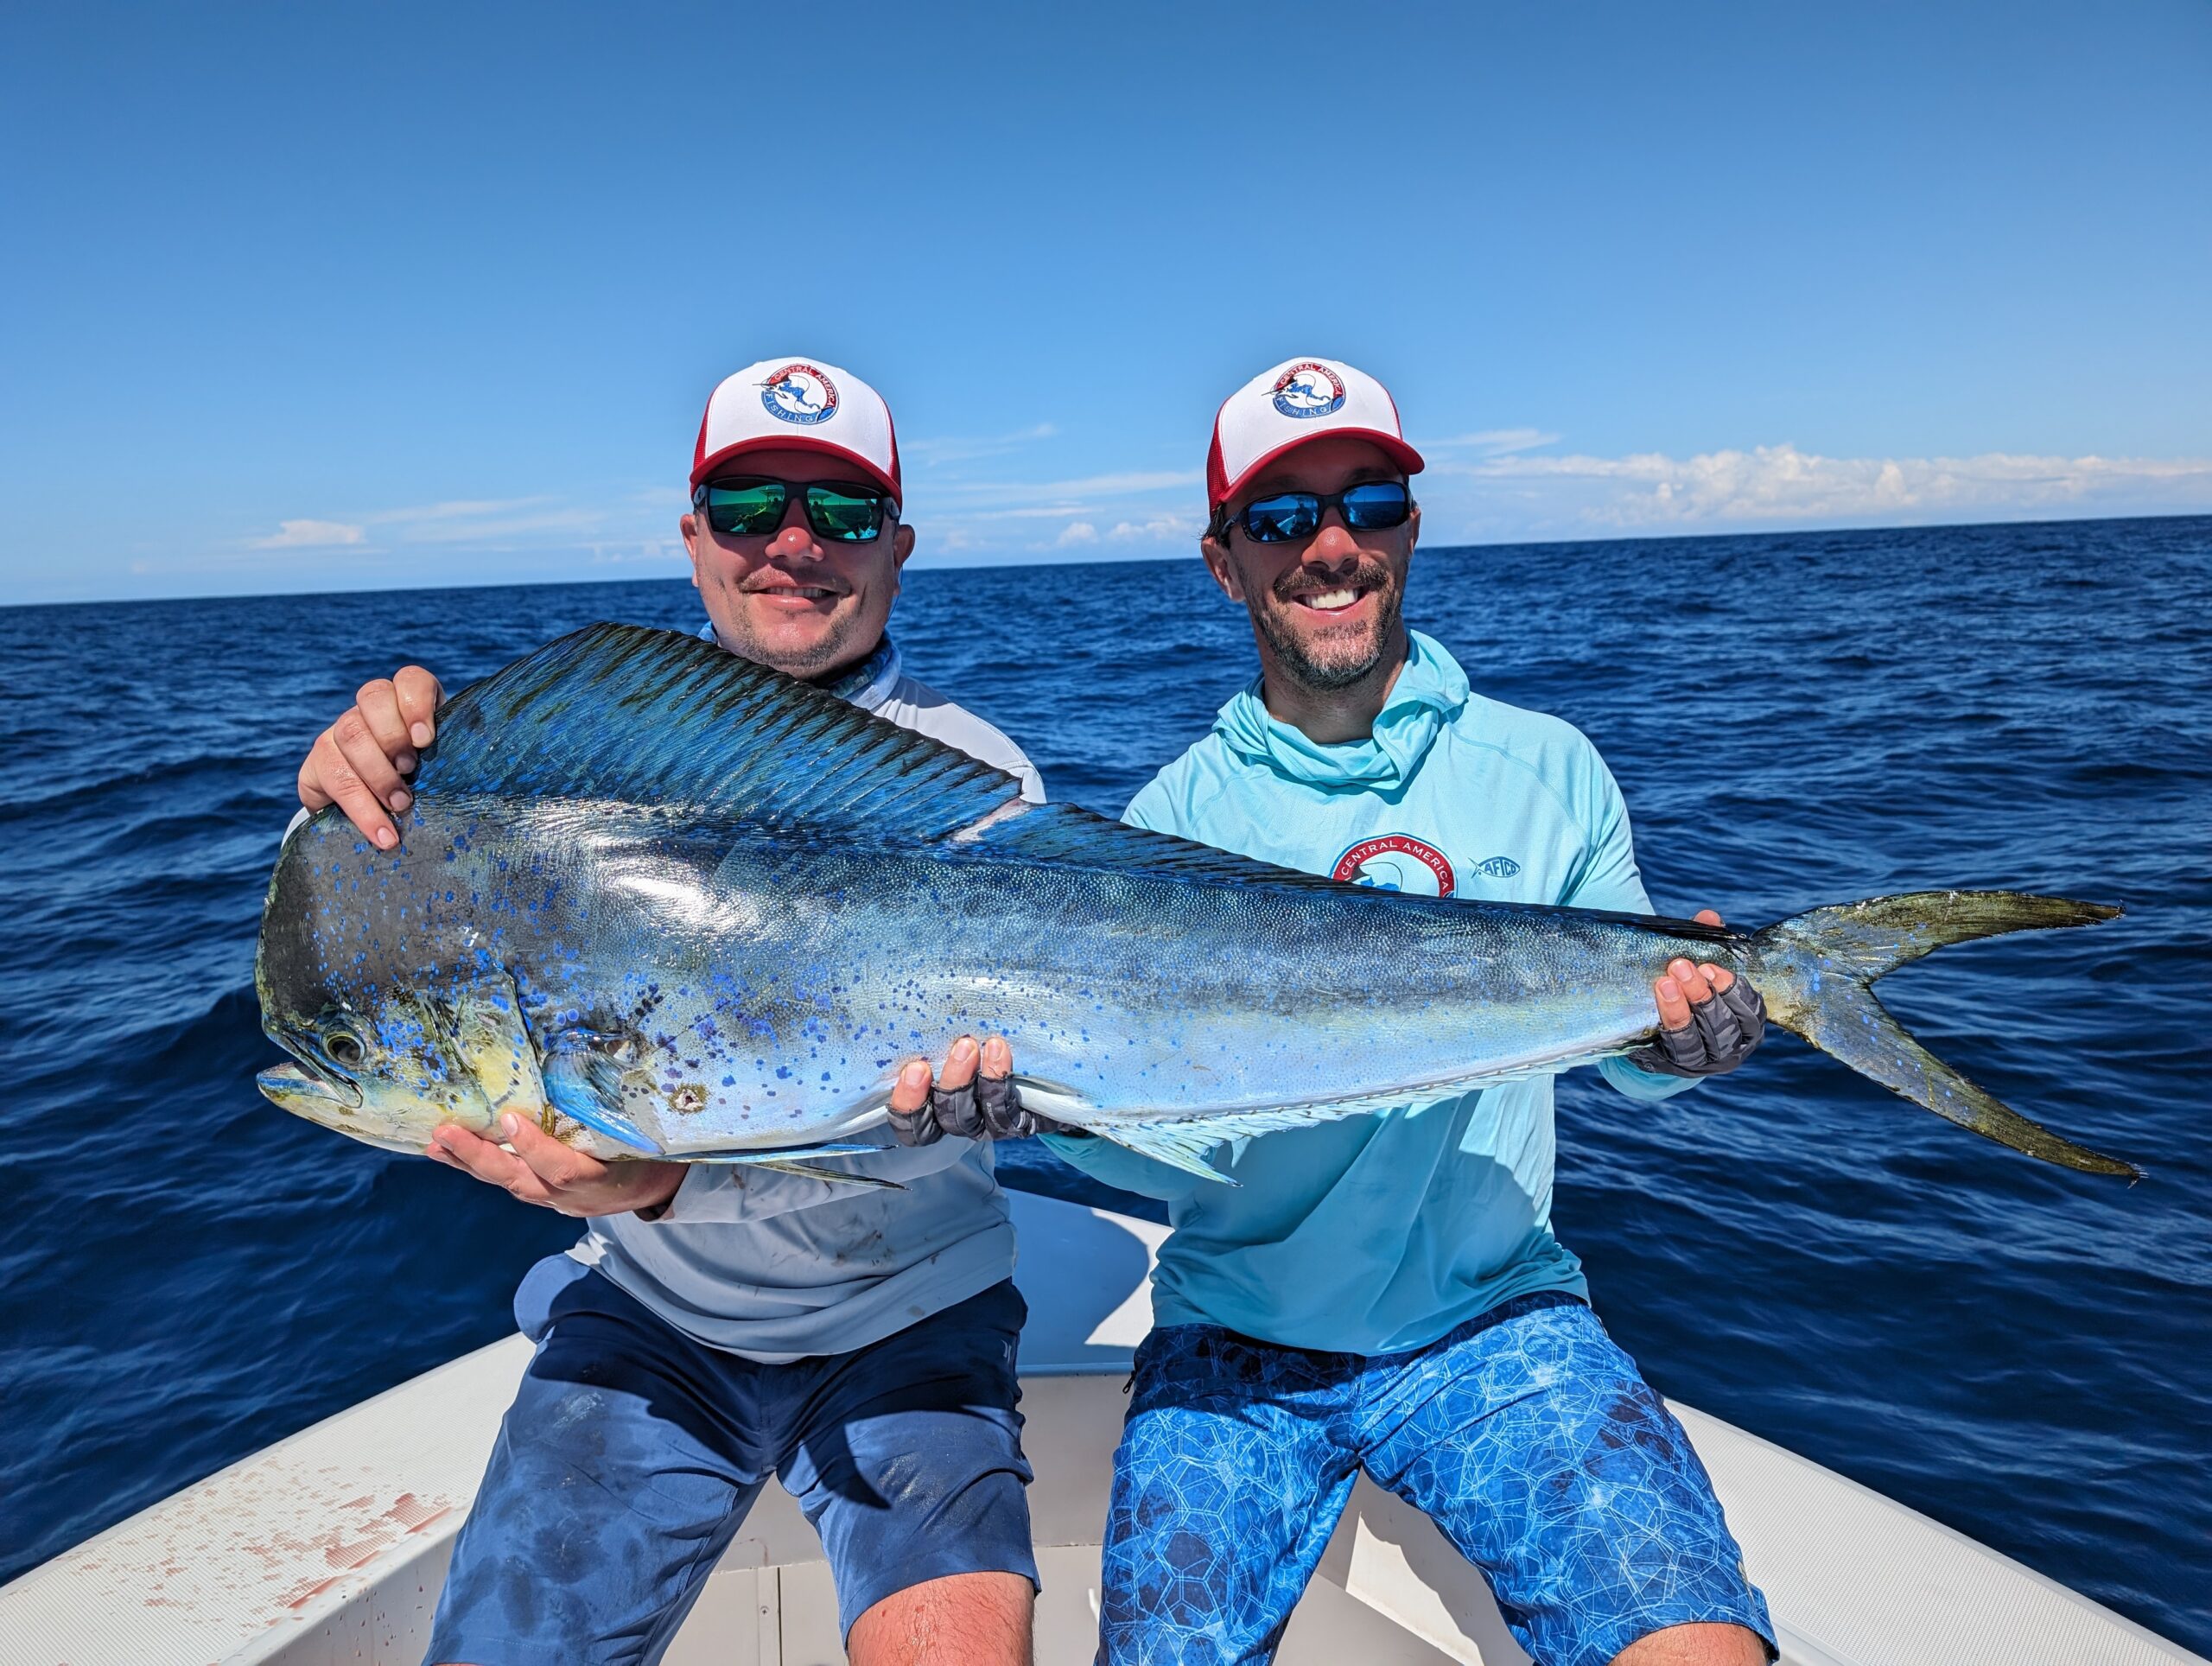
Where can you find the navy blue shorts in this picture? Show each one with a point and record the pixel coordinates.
(632, 1454)
(1525, 1435)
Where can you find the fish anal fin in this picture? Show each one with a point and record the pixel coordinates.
(1180, 1145)
(1186, 1142)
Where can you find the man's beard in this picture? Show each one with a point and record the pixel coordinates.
(1340, 656)
(832, 653)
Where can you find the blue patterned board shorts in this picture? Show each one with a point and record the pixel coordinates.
(1525, 1435)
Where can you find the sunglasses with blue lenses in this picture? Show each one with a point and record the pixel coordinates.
(745, 507)
(1286, 517)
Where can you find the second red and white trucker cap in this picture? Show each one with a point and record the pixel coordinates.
(798, 404)
(1299, 399)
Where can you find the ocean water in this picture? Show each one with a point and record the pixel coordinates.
(2019, 1351)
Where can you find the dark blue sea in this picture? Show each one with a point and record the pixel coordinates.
(2022, 1352)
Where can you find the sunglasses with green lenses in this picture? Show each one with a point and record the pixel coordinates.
(745, 507)
(1374, 506)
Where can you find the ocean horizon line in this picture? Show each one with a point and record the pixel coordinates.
(1057, 565)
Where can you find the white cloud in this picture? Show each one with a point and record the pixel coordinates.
(658, 552)
(957, 448)
(1089, 486)
(1020, 520)
(1495, 442)
(489, 522)
(1060, 510)
(1780, 484)
(481, 524)
(1160, 529)
(311, 535)
(460, 509)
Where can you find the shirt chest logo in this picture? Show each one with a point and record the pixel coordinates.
(1396, 861)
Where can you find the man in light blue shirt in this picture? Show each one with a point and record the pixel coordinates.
(1384, 1291)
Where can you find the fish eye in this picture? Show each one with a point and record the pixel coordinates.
(344, 1047)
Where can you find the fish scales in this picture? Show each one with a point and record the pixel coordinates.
(673, 904)
(789, 984)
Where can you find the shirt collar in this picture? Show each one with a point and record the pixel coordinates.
(1430, 691)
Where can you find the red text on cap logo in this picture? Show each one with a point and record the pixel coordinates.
(799, 393)
(1309, 390)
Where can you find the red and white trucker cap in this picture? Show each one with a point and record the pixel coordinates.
(798, 404)
(1299, 399)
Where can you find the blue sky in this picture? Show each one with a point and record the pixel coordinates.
(298, 298)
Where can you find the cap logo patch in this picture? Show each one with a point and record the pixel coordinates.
(1396, 861)
(1309, 390)
(801, 394)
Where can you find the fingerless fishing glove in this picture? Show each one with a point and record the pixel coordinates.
(988, 1107)
(1719, 1036)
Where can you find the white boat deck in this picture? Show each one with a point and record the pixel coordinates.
(328, 1549)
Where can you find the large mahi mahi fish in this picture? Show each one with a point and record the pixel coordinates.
(673, 904)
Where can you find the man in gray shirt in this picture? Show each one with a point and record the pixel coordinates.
(716, 1325)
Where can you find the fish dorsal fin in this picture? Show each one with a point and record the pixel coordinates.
(1067, 836)
(623, 713)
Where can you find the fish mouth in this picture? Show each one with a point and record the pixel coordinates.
(301, 1087)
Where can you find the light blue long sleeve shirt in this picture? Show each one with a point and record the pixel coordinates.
(1375, 1234)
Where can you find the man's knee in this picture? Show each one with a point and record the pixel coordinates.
(961, 1619)
(1698, 1644)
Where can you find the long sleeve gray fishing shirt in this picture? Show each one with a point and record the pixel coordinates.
(778, 1267)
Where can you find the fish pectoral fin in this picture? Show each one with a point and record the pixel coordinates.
(587, 1088)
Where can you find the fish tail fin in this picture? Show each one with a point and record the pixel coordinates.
(1815, 972)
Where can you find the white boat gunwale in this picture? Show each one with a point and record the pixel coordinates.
(329, 1546)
